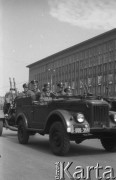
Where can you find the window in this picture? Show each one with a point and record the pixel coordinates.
(81, 83)
(110, 78)
(89, 82)
(99, 80)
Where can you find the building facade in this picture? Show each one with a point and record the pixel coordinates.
(92, 62)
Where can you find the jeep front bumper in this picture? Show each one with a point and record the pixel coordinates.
(78, 129)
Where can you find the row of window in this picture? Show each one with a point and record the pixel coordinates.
(101, 53)
(96, 85)
(71, 71)
(102, 90)
(85, 62)
(90, 80)
(99, 80)
(96, 60)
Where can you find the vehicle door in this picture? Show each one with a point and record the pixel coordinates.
(24, 105)
(40, 113)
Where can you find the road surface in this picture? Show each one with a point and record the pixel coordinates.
(35, 161)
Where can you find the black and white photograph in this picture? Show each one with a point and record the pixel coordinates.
(57, 90)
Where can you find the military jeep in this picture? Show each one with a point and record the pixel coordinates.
(65, 119)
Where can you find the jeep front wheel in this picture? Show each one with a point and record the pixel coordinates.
(109, 144)
(23, 134)
(59, 139)
(1, 127)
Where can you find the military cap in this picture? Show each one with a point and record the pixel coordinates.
(34, 82)
(60, 84)
(25, 85)
(47, 85)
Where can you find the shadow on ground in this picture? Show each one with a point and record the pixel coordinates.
(41, 143)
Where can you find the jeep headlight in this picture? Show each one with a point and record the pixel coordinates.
(80, 117)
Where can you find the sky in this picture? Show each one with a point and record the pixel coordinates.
(34, 29)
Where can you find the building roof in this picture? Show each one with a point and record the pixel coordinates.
(113, 31)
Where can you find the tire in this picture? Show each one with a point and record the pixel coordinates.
(109, 144)
(1, 127)
(23, 134)
(59, 139)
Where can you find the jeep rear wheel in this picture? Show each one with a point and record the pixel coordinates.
(23, 134)
(59, 139)
(1, 127)
(109, 144)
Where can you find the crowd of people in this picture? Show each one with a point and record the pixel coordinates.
(46, 93)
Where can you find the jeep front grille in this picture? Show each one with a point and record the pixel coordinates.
(100, 115)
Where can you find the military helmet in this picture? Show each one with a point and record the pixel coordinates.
(34, 82)
(46, 87)
(25, 85)
(60, 85)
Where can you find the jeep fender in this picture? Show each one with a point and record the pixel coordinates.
(112, 113)
(63, 116)
(21, 116)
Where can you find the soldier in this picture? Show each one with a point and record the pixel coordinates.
(68, 91)
(46, 94)
(25, 87)
(60, 91)
(26, 91)
(35, 89)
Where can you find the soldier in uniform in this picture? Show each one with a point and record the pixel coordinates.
(35, 89)
(47, 94)
(26, 89)
(60, 91)
(68, 91)
(26, 92)
(34, 86)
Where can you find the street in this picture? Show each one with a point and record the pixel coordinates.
(35, 161)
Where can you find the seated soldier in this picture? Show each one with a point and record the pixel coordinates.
(34, 86)
(60, 91)
(27, 92)
(26, 89)
(68, 91)
(35, 89)
(46, 94)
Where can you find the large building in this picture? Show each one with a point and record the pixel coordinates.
(92, 62)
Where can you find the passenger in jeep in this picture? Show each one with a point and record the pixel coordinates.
(35, 90)
(47, 94)
(68, 91)
(60, 91)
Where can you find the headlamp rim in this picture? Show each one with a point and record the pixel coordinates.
(82, 118)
